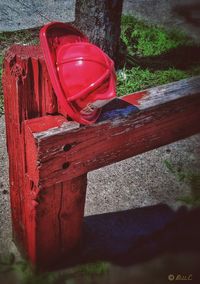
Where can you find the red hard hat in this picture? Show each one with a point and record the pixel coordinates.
(82, 75)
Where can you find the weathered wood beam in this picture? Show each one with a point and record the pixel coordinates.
(49, 157)
(46, 223)
(67, 150)
(27, 94)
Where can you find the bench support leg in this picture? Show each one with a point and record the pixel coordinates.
(46, 221)
(54, 218)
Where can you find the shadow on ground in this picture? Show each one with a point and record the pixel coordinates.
(145, 245)
(189, 12)
(129, 237)
(182, 57)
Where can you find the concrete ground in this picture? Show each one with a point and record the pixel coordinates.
(136, 182)
(182, 15)
(140, 181)
(17, 15)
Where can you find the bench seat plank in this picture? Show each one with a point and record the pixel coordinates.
(161, 115)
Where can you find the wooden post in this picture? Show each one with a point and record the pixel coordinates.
(49, 157)
(165, 114)
(46, 220)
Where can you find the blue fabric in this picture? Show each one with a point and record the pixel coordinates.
(117, 108)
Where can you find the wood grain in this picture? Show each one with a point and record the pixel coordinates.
(49, 156)
(46, 221)
(110, 140)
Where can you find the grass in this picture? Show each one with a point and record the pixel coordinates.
(18, 37)
(135, 79)
(149, 40)
(189, 177)
(97, 268)
(142, 40)
(139, 39)
(29, 37)
(23, 273)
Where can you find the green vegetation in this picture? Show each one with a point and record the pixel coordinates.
(19, 37)
(188, 177)
(21, 272)
(149, 40)
(97, 268)
(135, 79)
(9, 38)
(142, 40)
(190, 200)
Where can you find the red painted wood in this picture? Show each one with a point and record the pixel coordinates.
(135, 98)
(55, 220)
(49, 157)
(46, 220)
(110, 141)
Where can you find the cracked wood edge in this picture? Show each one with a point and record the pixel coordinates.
(112, 140)
(46, 221)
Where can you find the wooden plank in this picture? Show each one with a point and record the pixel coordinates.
(70, 150)
(55, 217)
(49, 157)
(17, 90)
(25, 81)
(44, 227)
(159, 95)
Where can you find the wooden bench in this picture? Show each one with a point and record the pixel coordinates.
(49, 157)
